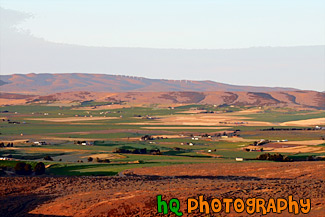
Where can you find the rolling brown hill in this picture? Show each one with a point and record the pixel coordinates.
(43, 84)
(293, 99)
(74, 87)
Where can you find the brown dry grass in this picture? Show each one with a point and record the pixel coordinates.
(103, 107)
(14, 141)
(105, 156)
(40, 150)
(308, 142)
(297, 149)
(307, 122)
(72, 119)
(12, 101)
(204, 120)
(135, 195)
(192, 112)
(186, 128)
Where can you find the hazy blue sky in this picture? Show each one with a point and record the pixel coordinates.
(65, 36)
(189, 24)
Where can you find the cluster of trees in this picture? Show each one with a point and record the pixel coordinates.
(99, 160)
(13, 122)
(2, 145)
(207, 112)
(155, 152)
(48, 158)
(138, 151)
(204, 135)
(234, 133)
(133, 151)
(273, 157)
(287, 129)
(248, 149)
(23, 168)
(149, 137)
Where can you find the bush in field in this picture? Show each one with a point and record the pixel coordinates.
(102, 160)
(90, 159)
(147, 137)
(310, 158)
(263, 156)
(28, 169)
(122, 150)
(106, 161)
(22, 168)
(155, 152)
(276, 157)
(48, 158)
(273, 157)
(135, 151)
(39, 168)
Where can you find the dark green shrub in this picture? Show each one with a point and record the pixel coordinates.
(48, 158)
(106, 161)
(28, 169)
(102, 160)
(22, 168)
(273, 157)
(39, 168)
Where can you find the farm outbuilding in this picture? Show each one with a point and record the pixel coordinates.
(40, 143)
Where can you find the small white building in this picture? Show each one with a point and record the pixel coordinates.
(40, 143)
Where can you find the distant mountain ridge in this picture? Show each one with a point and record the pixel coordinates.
(293, 99)
(42, 84)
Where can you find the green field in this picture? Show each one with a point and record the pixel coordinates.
(106, 136)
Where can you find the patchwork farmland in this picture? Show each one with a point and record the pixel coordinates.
(157, 144)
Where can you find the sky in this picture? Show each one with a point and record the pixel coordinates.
(252, 42)
(189, 24)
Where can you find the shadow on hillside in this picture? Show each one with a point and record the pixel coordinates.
(21, 205)
(226, 178)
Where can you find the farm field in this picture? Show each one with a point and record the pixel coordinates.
(157, 148)
(183, 135)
